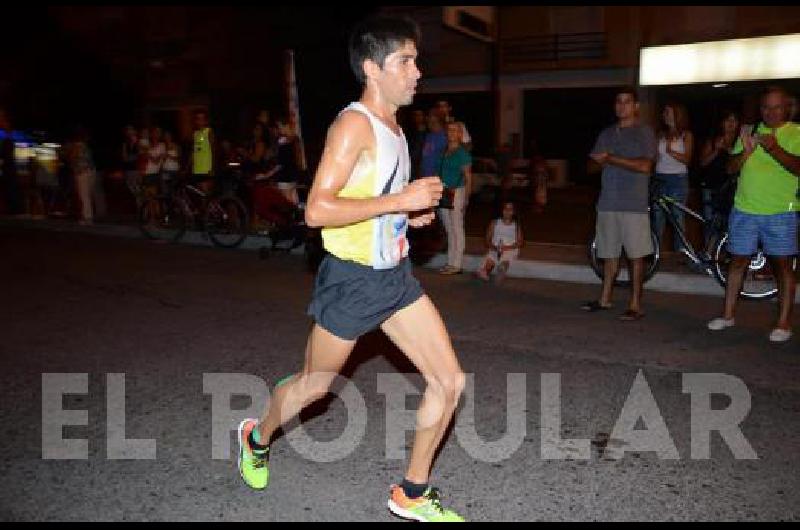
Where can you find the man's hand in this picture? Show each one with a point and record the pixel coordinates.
(419, 220)
(749, 145)
(421, 194)
(767, 141)
(601, 158)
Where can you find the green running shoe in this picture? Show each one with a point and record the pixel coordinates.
(252, 466)
(426, 509)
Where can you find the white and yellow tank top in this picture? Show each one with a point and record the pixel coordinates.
(379, 242)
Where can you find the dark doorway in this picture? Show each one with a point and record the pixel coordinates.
(565, 122)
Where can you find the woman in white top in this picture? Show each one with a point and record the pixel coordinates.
(675, 146)
(152, 169)
(172, 163)
(503, 239)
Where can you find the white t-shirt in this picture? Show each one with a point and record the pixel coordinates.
(504, 234)
(155, 157)
(171, 162)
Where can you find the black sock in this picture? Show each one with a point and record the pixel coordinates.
(256, 447)
(412, 490)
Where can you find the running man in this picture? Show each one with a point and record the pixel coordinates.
(362, 198)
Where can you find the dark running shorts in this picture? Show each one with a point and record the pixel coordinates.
(351, 299)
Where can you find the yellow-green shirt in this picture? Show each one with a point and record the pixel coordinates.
(765, 186)
(201, 157)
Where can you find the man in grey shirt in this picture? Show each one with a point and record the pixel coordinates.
(626, 152)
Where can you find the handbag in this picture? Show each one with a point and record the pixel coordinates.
(448, 198)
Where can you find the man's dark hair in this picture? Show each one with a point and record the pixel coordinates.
(775, 89)
(376, 38)
(629, 90)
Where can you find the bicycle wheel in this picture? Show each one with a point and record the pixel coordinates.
(163, 219)
(650, 262)
(226, 222)
(759, 281)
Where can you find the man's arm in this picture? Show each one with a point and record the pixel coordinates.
(348, 137)
(789, 161)
(639, 165)
(736, 161)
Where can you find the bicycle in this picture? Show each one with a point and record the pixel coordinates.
(759, 282)
(166, 217)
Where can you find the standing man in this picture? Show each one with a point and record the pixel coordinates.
(626, 152)
(445, 111)
(417, 134)
(202, 153)
(765, 208)
(433, 146)
(362, 198)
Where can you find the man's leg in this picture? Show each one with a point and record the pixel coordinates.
(637, 285)
(786, 289)
(638, 243)
(736, 272)
(743, 233)
(325, 355)
(608, 237)
(420, 334)
(610, 271)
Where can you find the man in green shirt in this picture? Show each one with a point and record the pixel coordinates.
(765, 207)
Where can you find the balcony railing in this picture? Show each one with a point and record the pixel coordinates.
(554, 47)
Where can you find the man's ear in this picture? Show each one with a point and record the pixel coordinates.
(371, 68)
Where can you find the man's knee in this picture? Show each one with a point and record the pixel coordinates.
(451, 385)
(315, 386)
(739, 262)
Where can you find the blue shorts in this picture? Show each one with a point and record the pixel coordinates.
(777, 233)
(351, 299)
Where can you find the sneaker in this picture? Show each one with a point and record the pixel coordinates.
(718, 324)
(252, 467)
(450, 270)
(780, 335)
(425, 509)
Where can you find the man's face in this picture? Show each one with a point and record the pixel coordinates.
(625, 106)
(419, 118)
(397, 79)
(773, 109)
(443, 108)
(200, 120)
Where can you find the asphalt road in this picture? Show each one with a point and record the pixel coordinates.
(187, 324)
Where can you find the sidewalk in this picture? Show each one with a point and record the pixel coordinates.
(546, 261)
